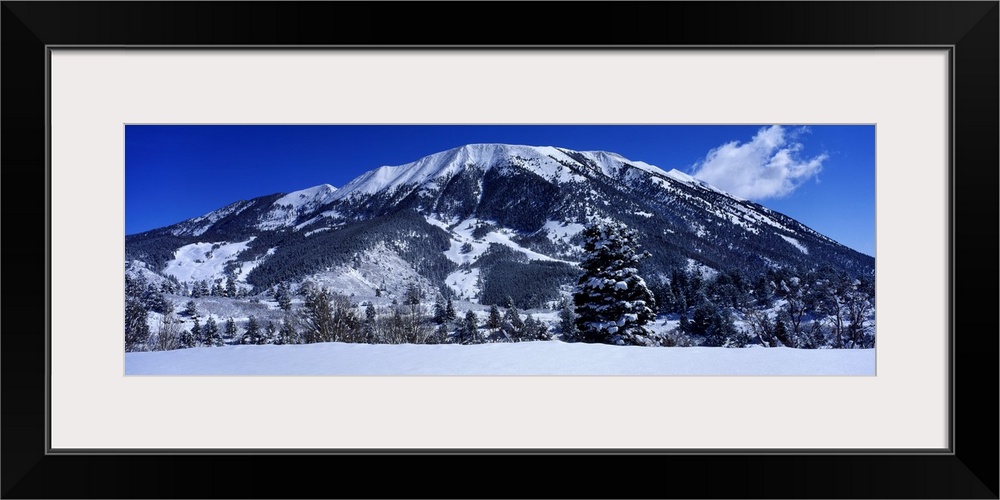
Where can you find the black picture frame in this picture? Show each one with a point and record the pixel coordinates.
(968, 470)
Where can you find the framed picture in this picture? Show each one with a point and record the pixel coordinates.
(499, 231)
(921, 76)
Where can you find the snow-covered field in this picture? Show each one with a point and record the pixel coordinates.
(526, 358)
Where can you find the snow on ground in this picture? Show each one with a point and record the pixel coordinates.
(707, 273)
(462, 233)
(758, 217)
(377, 267)
(137, 268)
(563, 231)
(219, 308)
(246, 267)
(795, 243)
(329, 214)
(692, 181)
(547, 162)
(524, 358)
(200, 261)
(464, 284)
(346, 280)
(444, 164)
(286, 209)
(641, 165)
(198, 225)
(314, 231)
(314, 196)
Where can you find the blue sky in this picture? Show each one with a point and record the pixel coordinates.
(820, 175)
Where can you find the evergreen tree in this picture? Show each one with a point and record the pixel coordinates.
(508, 301)
(284, 297)
(153, 300)
(136, 316)
(449, 311)
(329, 317)
(252, 333)
(187, 339)
(513, 325)
(513, 317)
(319, 317)
(720, 331)
(230, 331)
(469, 331)
(440, 316)
(701, 317)
(198, 336)
(495, 320)
(190, 309)
(212, 337)
(370, 325)
(271, 333)
(567, 319)
(612, 301)
(534, 329)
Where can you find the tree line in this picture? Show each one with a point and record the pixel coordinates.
(326, 316)
(612, 303)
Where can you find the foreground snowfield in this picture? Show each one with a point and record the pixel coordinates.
(526, 358)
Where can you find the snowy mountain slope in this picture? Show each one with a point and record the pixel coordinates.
(287, 209)
(453, 215)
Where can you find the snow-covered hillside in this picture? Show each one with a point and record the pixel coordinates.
(287, 209)
(525, 358)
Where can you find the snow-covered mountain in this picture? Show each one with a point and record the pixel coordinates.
(482, 221)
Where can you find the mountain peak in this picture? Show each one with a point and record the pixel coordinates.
(555, 164)
(443, 163)
(309, 196)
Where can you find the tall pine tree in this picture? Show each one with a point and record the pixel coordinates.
(613, 303)
(212, 337)
(136, 315)
(469, 330)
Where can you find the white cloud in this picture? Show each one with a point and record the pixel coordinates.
(769, 166)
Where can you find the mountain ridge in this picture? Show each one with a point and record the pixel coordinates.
(532, 200)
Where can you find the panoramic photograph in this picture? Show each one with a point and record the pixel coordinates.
(500, 250)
